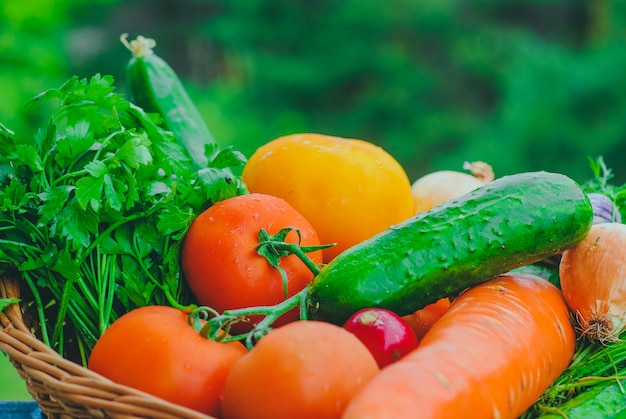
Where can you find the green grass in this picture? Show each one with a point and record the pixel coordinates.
(12, 387)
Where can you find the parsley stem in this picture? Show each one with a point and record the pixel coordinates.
(83, 325)
(19, 244)
(107, 232)
(57, 334)
(69, 175)
(162, 286)
(106, 286)
(39, 307)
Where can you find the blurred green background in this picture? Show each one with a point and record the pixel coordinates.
(521, 84)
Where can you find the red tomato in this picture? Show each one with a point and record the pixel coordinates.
(222, 266)
(302, 370)
(155, 350)
(384, 333)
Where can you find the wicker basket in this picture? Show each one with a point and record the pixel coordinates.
(65, 389)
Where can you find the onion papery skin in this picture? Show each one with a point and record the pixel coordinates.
(438, 187)
(593, 281)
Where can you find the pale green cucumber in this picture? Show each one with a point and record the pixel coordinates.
(155, 87)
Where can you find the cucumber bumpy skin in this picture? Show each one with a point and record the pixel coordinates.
(155, 87)
(508, 223)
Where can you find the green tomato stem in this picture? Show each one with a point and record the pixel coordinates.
(213, 325)
(217, 326)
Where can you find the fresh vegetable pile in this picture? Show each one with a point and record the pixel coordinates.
(274, 294)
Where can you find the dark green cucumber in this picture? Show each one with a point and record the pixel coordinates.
(154, 86)
(511, 222)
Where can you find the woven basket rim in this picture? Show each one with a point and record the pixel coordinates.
(63, 388)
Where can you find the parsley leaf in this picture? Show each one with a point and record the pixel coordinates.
(602, 182)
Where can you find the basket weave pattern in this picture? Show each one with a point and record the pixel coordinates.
(65, 389)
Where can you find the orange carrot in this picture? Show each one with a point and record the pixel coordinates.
(423, 319)
(491, 355)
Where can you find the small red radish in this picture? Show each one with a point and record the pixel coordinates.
(384, 333)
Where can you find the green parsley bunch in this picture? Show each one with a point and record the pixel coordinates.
(93, 210)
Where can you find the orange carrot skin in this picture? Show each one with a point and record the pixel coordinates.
(423, 319)
(491, 355)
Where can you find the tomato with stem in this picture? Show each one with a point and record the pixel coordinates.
(226, 266)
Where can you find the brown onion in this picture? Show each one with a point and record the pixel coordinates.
(438, 187)
(593, 280)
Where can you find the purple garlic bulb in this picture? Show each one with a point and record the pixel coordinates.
(604, 210)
